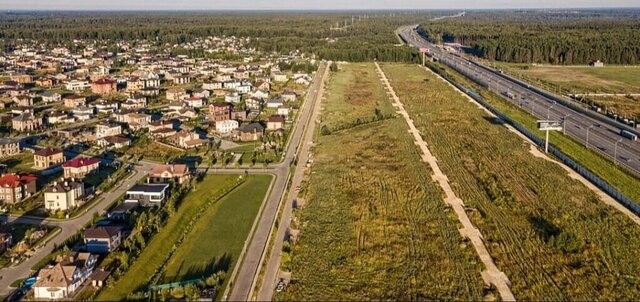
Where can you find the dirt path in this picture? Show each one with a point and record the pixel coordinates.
(491, 275)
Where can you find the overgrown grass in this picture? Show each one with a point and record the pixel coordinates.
(375, 225)
(161, 244)
(216, 241)
(550, 234)
(596, 163)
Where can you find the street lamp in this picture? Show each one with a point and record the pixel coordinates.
(549, 109)
(615, 152)
(564, 124)
(587, 141)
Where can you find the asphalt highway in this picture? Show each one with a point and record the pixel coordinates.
(596, 134)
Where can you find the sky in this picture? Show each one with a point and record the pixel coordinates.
(302, 4)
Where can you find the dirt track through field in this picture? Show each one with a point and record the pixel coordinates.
(491, 275)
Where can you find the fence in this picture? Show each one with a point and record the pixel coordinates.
(597, 181)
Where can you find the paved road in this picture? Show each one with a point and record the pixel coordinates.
(68, 228)
(247, 274)
(602, 133)
(491, 274)
(272, 269)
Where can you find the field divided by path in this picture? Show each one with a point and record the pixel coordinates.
(375, 225)
(551, 235)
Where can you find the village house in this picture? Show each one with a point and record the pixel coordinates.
(148, 195)
(58, 117)
(47, 158)
(83, 113)
(249, 132)
(23, 100)
(46, 82)
(75, 85)
(103, 239)
(279, 76)
(63, 195)
(114, 142)
(161, 129)
(289, 96)
(176, 94)
(106, 106)
(187, 139)
(104, 86)
(275, 103)
(9, 147)
(134, 103)
(219, 112)
(254, 103)
(238, 114)
(284, 111)
(177, 173)
(107, 129)
(80, 167)
(194, 102)
(16, 188)
(232, 98)
(275, 122)
(61, 280)
(26, 122)
(137, 121)
(51, 97)
(74, 101)
(22, 78)
(226, 126)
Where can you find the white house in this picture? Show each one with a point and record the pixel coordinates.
(77, 85)
(226, 126)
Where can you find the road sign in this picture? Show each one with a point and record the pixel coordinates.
(424, 50)
(549, 125)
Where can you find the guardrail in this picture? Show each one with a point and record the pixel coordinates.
(597, 181)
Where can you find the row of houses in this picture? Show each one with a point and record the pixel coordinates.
(62, 279)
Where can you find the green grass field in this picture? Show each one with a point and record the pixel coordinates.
(572, 79)
(551, 235)
(615, 176)
(216, 241)
(608, 79)
(160, 245)
(375, 226)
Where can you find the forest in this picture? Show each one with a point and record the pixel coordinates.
(564, 38)
(364, 39)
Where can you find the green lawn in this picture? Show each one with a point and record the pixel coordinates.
(160, 245)
(20, 163)
(216, 241)
(608, 79)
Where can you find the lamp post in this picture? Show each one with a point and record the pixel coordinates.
(615, 152)
(549, 109)
(564, 124)
(587, 141)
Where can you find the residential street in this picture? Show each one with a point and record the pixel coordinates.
(68, 228)
(275, 255)
(248, 272)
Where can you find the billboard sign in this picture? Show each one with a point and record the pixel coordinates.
(549, 125)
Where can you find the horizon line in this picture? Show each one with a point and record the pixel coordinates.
(312, 9)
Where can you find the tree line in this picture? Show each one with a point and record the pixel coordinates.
(311, 33)
(539, 38)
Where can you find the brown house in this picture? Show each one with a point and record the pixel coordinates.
(219, 112)
(249, 132)
(48, 157)
(164, 173)
(104, 86)
(16, 188)
(275, 122)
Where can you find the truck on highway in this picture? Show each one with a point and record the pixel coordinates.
(628, 135)
(509, 95)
